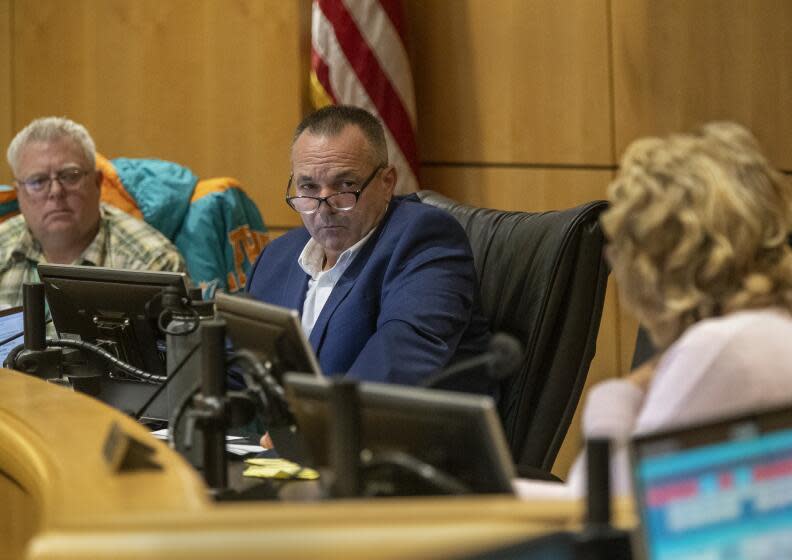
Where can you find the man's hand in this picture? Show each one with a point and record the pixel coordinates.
(266, 441)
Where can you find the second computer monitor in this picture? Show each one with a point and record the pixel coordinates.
(116, 309)
(459, 435)
(271, 332)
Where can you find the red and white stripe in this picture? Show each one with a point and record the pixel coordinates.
(358, 57)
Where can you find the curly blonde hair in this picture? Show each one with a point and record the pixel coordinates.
(698, 227)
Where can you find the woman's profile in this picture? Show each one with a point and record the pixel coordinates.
(698, 232)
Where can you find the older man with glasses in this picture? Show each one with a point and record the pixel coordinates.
(386, 286)
(62, 219)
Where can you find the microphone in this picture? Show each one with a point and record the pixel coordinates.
(501, 360)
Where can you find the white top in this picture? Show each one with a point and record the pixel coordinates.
(322, 282)
(719, 367)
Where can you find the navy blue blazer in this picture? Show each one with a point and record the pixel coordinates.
(406, 307)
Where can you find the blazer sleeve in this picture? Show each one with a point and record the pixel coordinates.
(425, 305)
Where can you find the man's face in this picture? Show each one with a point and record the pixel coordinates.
(325, 165)
(59, 216)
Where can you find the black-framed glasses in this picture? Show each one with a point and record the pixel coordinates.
(344, 201)
(70, 179)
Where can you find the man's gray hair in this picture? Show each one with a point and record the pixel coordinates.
(49, 129)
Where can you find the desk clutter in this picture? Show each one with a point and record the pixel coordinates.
(278, 468)
(240, 446)
(147, 344)
(721, 488)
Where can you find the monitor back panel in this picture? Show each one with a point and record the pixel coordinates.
(455, 432)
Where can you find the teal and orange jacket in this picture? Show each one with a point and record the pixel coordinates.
(215, 225)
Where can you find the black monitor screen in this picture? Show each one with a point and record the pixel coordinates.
(271, 332)
(115, 309)
(458, 433)
(11, 323)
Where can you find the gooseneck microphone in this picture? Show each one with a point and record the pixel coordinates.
(501, 360)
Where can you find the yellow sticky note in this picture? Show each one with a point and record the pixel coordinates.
(278, 468)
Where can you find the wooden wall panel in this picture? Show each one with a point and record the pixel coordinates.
(512, 81)
(513, 188)
(679, 63)
(5, 87)
(216, 86)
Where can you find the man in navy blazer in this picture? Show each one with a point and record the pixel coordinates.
(386, 286)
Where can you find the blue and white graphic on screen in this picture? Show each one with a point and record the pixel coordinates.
(727, 501)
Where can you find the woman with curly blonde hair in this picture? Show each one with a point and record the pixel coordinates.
(698, 234)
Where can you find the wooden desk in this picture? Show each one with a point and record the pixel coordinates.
(59, 499)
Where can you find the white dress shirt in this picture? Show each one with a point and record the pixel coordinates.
(322, 282)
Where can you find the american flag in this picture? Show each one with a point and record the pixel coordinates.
(358, 57)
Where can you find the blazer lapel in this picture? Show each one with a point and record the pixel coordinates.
(295, 288)
(344, 285)
(339, 293)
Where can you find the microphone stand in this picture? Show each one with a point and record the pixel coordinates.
(345, 438)
(211, 411)
(209, 407)
(599, 538)
(36, 358)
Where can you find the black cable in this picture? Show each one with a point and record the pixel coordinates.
(260, 370)
(162, 387)
(253, 369)
(169, 299)
(273, 394)
(125, 367)
(20, 333)
(10, 338)
(194, 320)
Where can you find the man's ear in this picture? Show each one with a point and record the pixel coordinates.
(99, 177)
(389, 178)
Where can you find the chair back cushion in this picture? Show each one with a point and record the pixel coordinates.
(213, 222)
(543, 280)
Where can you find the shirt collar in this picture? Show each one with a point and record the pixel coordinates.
(312, 257)
(95, 253)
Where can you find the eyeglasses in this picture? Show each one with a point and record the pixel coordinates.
(39, 185)
(343, 201)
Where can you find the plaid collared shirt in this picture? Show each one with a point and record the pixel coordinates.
(121, 242)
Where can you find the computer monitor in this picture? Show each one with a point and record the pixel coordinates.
(716, 490)
(12, 323)
(458, 433)
(118, 311)
(271, 332)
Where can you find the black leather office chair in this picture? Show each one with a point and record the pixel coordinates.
(543, 280)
